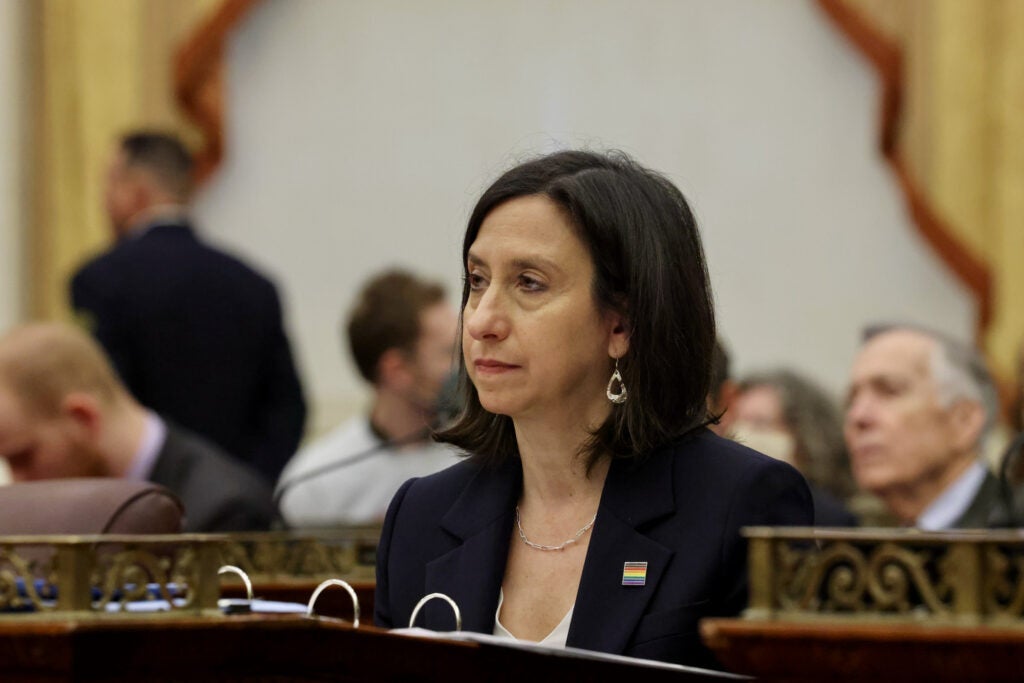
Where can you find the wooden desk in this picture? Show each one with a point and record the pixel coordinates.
(269, 649)
(878, 652)
(199, 649)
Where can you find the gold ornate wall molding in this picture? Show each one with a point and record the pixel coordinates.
(952, 89)
(199, 80)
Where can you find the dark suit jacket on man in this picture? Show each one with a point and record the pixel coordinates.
(991, 508)
(197, 335)
(219, 493)
(829, 511)
(680, 510)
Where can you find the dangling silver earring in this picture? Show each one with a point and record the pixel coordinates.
(620, 397)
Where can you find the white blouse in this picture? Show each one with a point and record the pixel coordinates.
(556, 638)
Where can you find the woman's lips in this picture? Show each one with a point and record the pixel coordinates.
(487, 366)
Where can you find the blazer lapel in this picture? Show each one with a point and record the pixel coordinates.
(607, 612)
(472, 572)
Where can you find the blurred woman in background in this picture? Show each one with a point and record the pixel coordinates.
(789, 417)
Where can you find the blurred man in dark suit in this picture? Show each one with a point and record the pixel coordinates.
(63, 413)
(194, 333)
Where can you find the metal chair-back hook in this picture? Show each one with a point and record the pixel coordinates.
(427, 598)
(343, 584)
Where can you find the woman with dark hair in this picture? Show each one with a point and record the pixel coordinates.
(595, 511)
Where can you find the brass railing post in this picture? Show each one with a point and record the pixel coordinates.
(75, 565)
(965, 574)
(208, 561)
(762, 574)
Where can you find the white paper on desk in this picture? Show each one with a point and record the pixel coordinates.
(277, 607)
(257, 606)
(571, 652)
(144, 606)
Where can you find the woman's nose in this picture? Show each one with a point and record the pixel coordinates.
(486, 318)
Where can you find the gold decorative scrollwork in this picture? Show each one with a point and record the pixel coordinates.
(320, 559)
(269, 558)
(290, 558)
(892, 571)
(1003, 587)
(18, 583)
(839, 569)
(184, 572)
(133, 574)
(236, 553)
(841, 577)
(960, 577)
(94, 574)
(846, 583)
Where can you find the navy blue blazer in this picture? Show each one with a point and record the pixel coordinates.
(680, 510)
(197, 335)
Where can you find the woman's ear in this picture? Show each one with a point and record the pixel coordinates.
(618, 337)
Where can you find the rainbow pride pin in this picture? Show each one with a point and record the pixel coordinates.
(634, 573)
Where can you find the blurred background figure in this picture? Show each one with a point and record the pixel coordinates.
(723, 390)
(1011, 464)
(195, 334)
(401, 333)
(919, 409)
(63, 413)
(788, 417)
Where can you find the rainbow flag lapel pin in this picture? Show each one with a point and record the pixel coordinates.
(634, 573)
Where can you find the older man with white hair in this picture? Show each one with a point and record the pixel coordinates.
(918, 410)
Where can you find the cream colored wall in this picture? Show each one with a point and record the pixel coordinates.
(12, 176)
(361, 132)
(13, 203)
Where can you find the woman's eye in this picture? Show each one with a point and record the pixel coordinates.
(476, 281)
(530, 284)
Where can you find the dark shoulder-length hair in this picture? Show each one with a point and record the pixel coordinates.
(649, 267)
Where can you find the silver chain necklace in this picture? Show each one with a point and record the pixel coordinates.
(538, 546)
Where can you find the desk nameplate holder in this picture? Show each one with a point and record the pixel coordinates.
(961, 578)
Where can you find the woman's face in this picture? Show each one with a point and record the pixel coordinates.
(534, 342)
(760, 407)
(758, 422)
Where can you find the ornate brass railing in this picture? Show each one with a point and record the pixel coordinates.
(956, 577)
(89, 576)
(284, 556)
(97, 574)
